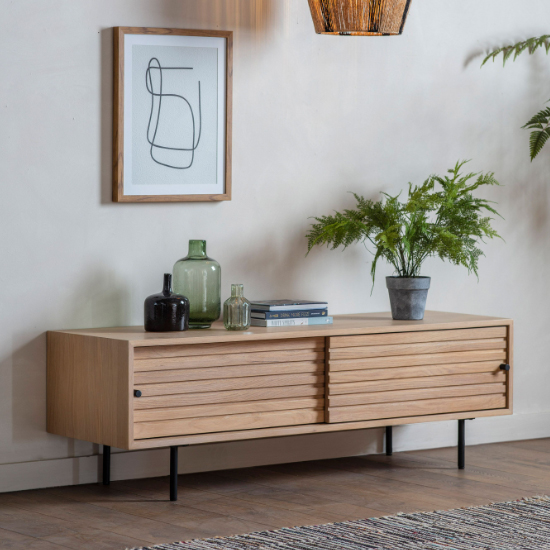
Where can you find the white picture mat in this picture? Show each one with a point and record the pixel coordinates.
(218, 43)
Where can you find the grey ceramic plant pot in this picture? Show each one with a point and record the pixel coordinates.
(408, 297)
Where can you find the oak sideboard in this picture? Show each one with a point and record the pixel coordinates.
(130, 389)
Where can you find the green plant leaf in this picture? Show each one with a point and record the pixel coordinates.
(536, 142)
(531, 45)
(540, 122)
(542, 117)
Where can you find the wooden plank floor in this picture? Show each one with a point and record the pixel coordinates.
(138, 513)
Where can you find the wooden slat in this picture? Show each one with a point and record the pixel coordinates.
(417, 337)
(213, 373)
(226, 360)
(327, 348)
(414, 408)
(340, 377)
(416, 383)
(510, 361)
(418, 360)
(309, 429)
(413, 395)
(251, 421)
(416, 349)
(250, 382)
(155, 352)
(199, 411)
(234, 396)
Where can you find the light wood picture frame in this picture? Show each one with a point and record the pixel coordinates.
(172, 115)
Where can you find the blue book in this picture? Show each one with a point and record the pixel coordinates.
(287, 304)
(289, 314)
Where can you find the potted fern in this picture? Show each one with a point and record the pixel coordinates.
(448, 222)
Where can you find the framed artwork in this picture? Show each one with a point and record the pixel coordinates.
(172, 115)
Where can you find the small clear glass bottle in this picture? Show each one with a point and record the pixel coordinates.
(236, 310)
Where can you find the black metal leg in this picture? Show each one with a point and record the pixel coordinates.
(461, 443)
(389, 440)
(173, 473)
(106, 465)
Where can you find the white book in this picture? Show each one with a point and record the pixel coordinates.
(304, 321)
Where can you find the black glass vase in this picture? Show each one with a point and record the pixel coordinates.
(166, 312)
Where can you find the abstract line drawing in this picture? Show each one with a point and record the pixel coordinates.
(154, 81)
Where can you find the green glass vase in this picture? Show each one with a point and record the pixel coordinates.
(199, 278)
(236, 310)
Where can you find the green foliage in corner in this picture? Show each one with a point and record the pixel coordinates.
(540, 123)
(531, 45)
(449, 223)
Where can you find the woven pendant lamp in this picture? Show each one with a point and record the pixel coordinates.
(359, 17)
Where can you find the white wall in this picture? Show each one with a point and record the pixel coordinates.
(314, 118)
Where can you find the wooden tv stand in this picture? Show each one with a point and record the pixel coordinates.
(130, 389)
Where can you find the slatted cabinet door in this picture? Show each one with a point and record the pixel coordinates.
(407, 374)
(195, 389)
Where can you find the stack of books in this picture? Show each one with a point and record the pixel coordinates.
(289, 313)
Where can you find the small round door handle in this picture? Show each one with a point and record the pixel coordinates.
(505, 367)
(137, 393)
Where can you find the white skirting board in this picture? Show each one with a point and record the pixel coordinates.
(242, 454)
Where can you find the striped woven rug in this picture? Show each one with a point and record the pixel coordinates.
(523, 525)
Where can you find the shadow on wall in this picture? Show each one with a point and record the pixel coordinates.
(246, 18)
(531, 197)
(236, 15)
(277, 264)
(107, 303)
(29, 388)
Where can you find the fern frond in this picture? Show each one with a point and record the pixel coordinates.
(531, 45)
(537, 140)
(540, 123)
(541, 118)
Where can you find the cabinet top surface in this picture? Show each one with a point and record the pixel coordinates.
(360, 323)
